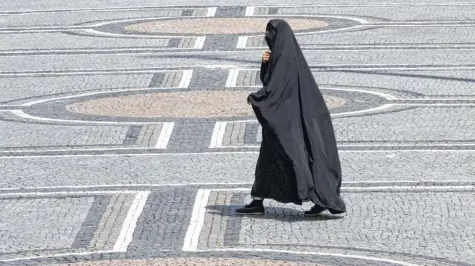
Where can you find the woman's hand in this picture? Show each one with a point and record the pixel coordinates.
(266, 56)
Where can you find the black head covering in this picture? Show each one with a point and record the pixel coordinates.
(294, 116)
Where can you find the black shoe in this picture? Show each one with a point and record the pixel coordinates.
(333, 211)
(255, 207)
(314, 211)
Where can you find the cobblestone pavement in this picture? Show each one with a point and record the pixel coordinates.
(126, 138)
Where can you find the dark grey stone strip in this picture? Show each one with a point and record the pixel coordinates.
(339, 68)
(251, 133)
(187, 12)
(230, 12)
(225, 42)
(164, 220)
(273, 10)
(208, 79)
(233, 227)
(191, 135)
(157, 80)
(89, 226)
(174, 43)
(132, 134)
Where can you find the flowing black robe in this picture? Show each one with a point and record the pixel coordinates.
(298, 159)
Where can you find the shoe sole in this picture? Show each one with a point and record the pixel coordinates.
(251, 213)
(312, 214)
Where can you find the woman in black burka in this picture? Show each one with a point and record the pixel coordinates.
(298, 158)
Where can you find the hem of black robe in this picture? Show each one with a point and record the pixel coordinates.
(314, 199)
(278, 199)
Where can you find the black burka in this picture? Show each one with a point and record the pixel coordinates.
(298, 159)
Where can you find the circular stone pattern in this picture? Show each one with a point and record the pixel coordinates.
(195, 104)
(219, 25)
(195, 262)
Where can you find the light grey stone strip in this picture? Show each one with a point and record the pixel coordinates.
(131, 135)
(237, 135)
(111, 222)
(119, 221)
(261, 11)
(148, 136)
(172, 79)
(157, 80)
(89, 226)
(206, 235)
(219, 214)
(200, 12)
(247, 78)
(259, 134)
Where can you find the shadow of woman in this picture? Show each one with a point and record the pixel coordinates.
(271, 213)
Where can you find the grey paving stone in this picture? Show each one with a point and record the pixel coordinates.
(164, 221)
(69, 41)
(424, 228)
(388, 12)
(90, 224)
(77, 18)
(111, 222)
(17, 88)
(432, 224)
(24, 135)
(216, 168)
(41, 223)
(387, 36)
(355, 59)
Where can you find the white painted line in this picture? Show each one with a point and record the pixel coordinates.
(415, 188)
(230, 66)
(250, 11)
(409, 188)
(232, 78)
(402, 183)
(211, 11)
(102, 23)
(435, 104)
(127, 185)
(165, 134)
(425, 4)
(111, 9)
(151, 70)
(66, 193)
(199, 42)
(22, 114)
(371, 110)
(439, 99)
(366, 47)
(84, 51)
(197, 220)
(357, 19)
(162, 7)
(340, 255)
(217, 153)
(186, 78)
(116, 35)
(94, 93)
(367, 145)
(130, 222)
(384, 95)
(74, 254)
(76, 150)
(218, 134)
(242, 42)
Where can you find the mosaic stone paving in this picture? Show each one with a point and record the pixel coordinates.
(126, 138)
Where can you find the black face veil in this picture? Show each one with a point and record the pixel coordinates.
(296, 125)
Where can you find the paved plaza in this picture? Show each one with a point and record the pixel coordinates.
(126, 138)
